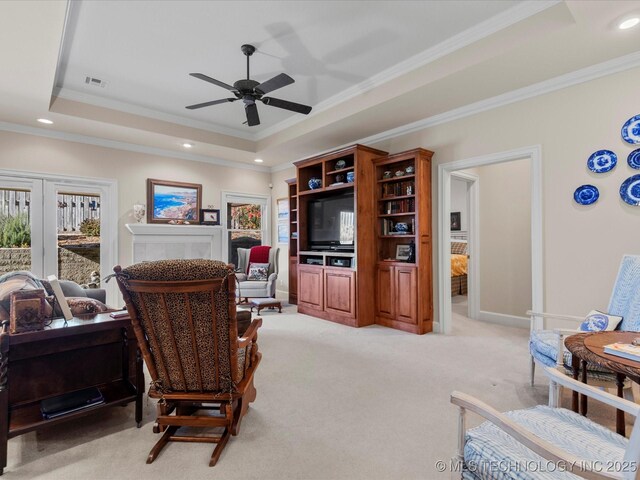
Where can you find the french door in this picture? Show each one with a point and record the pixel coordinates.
(63, 226)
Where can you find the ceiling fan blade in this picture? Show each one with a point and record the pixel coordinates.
(274, 83)
(206, 78)
(294, 107)
(252, 114)
(208, 104)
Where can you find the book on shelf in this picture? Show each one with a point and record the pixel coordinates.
(398, 189)
(624, 350)
(399, 206)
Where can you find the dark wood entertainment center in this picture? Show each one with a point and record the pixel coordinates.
(372, 286)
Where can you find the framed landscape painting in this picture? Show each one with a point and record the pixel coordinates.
(173, 202)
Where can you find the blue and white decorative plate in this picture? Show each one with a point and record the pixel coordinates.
(586, 195)
(634, 159)
(630, 190)
(631, 130)
(602, 161)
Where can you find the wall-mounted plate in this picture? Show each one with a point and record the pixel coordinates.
(602, 161)
(586, 195)
(631, 130)
(630, 190)
(634, 159)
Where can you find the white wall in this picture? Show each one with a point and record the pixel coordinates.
(505, 237)
(459, 201)
(582, 245)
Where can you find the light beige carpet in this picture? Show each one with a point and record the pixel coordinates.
(333, 403)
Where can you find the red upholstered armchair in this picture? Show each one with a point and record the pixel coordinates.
(251, 285)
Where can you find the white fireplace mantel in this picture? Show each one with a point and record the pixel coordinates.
(168, 242)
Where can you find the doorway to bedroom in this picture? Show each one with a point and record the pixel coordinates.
(490, 215)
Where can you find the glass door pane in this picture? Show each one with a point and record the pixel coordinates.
(78, 237)
(20, 232)
(244, 227)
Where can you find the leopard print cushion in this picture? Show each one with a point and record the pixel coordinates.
(84, 305)
(216, 371)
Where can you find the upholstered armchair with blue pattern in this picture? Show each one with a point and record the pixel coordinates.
(545, 442)
(547, 346)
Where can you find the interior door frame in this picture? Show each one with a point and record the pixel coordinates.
(445, 170)
(108, 190)
(473, 241)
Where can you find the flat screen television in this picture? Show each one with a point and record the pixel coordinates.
(331, 223)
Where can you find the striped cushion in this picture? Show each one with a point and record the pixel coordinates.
(625, 299)
(543, 346)
(490, 453)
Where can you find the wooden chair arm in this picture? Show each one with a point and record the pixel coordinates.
(559, 378)
(572, 318)
(251, 334)
(540, 446)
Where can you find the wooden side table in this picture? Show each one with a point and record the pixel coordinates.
(88, 351)
(588, 348)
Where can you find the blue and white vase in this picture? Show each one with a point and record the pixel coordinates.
(314, 182)
(402, 227)
(351, 176)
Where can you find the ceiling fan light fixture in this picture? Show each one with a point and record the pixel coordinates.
(249, 91)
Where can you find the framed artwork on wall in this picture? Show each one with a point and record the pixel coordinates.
(283, 220)
(455, 221)
(209, 216)
(173, 202)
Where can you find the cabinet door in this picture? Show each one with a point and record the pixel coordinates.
(293, 280)
(310, 287)
(386, 292)
(406, 295)
(340, 291)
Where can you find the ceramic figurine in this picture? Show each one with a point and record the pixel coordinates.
(409, 170)
(386, 174)
(339, 178)
(399, 173)
(340, 164)
(139, 212)
(315, 182)
(402, 227)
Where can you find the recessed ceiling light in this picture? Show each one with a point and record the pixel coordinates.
(258, 160)
(46, 121)
(629, 23)
(187, 145)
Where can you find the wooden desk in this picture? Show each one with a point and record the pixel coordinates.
(88, 351)
(589, 348)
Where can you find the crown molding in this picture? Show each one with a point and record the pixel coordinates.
(101, 142)
(593, 72)
(483, 29)
(84, 97)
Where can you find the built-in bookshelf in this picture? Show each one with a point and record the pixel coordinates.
(292, 187)
(403, 239)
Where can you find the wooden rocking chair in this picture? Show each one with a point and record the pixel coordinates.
(184, 317)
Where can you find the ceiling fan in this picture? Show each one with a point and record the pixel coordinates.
(249, 91)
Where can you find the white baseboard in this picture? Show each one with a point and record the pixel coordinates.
(502, 319)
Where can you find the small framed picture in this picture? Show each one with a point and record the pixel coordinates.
(455, 220)
(209, 216)
(403, 252)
